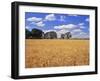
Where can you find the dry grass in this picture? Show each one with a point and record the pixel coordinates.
(53, 53)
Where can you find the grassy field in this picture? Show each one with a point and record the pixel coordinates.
(56, 52)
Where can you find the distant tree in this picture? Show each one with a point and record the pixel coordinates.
(50, 35)
(68, 35)
(27, 34)
(37, 34)
(62, 36)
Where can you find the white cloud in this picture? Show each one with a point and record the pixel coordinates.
(62, 18)
(68, 26)
(87, 19)
(50, 17)
(78, 33)
(63, 31)
(32, 23)
(81, 35)
(29, 28)
(49, 31)
(76, 30)
(34, 19)
(80, 24)
(40, 24)
(82, 27)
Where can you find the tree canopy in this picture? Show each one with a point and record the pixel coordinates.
(39, 34)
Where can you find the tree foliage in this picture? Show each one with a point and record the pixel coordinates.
(68, 35)
(37, 34)
(50, 35)
(28, 34)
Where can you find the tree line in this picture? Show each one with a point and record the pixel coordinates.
(39, 34)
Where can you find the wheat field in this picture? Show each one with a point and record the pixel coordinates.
(56, 52)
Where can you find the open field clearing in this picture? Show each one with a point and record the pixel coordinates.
(56, 52)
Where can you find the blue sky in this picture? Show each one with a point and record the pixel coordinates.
(78, 25)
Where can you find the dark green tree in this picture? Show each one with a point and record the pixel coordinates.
(50, 35)
(28, 34)
(62, 36)
(37, 33)
(68, 35)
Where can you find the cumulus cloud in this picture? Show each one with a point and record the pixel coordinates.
(68, 26)
(81, 35)
(49, 31)
(87, 19)
(76, 30)
(34, 19)
(78, 33)
(80, 24)
(82, 27)
(50, 17)
(63, 31)
(29, 28)
(40, 24)
(62, 18)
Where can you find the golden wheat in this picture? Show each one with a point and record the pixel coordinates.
(56, 52)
